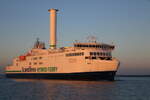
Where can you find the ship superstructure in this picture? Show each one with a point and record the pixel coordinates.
(88, 60)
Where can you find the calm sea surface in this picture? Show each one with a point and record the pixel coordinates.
(124, 88)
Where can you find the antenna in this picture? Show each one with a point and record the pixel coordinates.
(91, 39)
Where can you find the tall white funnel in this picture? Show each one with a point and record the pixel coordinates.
(53, 25)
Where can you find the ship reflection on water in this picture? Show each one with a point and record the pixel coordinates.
(45, 89)
(66, 90)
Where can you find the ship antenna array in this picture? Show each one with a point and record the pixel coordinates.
(91, 39)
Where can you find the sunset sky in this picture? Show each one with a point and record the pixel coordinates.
(126, 23)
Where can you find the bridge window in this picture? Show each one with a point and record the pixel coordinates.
(102, 46)
(93, 57)
(100, 54)
(86, 45)
(95, 53)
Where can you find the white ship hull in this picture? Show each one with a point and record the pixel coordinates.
(78, 69)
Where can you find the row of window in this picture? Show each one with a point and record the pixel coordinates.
(35, 63)
(24, 58)
(35, 58)
(95, 46)
(100, 53)
(75, 54)
(102, 58)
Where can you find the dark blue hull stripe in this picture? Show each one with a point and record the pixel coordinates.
(107, 75)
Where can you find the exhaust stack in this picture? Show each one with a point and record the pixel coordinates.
(53, 27)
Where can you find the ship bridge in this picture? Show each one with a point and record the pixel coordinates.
(96, 50)
(94, 45)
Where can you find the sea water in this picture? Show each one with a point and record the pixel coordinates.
(123, 88)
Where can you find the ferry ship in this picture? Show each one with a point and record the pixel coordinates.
(90, 60)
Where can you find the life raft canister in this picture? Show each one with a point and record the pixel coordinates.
(22, 57)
